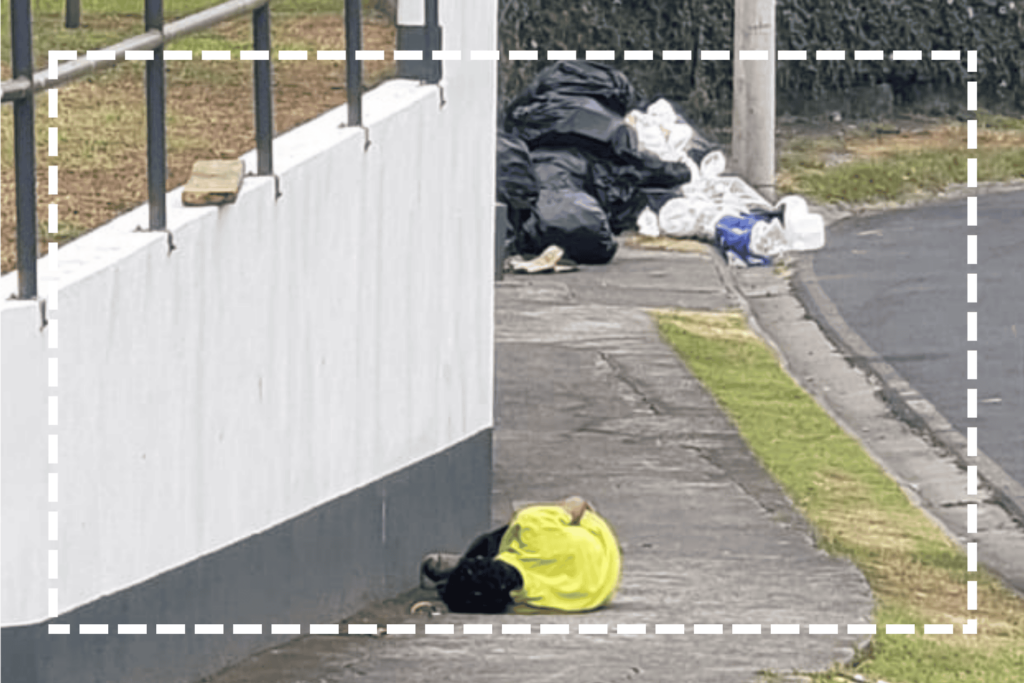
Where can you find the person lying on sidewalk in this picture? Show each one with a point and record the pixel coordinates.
(559, 556)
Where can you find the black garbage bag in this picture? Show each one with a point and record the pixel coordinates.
(616, 187)
(595, 80)
(555, 119)
(657, 197)
(516, 187)
(619, 184)
(560, 168)
(573, 220)
(616, 182)
(653, 172)
(565, 213)
(517, 183)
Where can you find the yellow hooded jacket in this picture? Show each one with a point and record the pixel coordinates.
(565, 567)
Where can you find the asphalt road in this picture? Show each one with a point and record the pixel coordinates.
(899, 280)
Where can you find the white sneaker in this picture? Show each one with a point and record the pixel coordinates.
(437, 567)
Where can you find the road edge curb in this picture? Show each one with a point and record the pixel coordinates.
(905, 401)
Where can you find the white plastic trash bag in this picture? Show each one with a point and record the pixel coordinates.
(678, 217)
(729, 191)
(662, 112)
(691, 218)
(713, 164)
(767, 238)
(755, 232)
(679, 136)
(660, 132)
(651, 136)
(647, 223)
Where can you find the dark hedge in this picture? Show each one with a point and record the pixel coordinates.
(993, 27)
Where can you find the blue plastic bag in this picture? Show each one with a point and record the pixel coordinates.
(733, 236)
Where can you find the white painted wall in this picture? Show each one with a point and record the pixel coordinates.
(286, 351)
(412, 12)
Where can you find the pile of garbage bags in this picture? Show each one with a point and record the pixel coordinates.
(714, 207)
(580, 162)
(570, 167)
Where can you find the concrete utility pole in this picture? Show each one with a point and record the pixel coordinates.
(753, 106)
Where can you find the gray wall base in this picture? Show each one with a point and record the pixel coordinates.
(316, 568)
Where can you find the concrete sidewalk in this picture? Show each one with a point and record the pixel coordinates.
(591, 402)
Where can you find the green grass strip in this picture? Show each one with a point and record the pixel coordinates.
(898, 174)
(917, 575)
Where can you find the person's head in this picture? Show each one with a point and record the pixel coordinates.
(480, 585)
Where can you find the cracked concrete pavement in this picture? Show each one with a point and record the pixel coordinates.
(590, 401)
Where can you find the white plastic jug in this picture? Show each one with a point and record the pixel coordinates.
(805, 231)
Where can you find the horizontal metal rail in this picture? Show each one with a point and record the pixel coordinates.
(18, 88)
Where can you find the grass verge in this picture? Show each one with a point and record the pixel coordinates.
(917, 575)
(877, 162)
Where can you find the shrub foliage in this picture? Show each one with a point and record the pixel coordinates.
(995, 28)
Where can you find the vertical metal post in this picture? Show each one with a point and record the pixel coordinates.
(502, 228)
(72, 13)
(354, 67)
(24, 151)
(433, 30)
(263, 98)
(156, 138)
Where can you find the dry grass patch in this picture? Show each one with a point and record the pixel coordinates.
(102, 119)
(663, 243)
(717, 326)
(896, 161)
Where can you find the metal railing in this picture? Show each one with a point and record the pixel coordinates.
(21, 89)
(72, 13)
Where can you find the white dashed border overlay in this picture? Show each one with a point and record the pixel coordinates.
(510, 629)
(970, 628)
(56, 56)
(52, 324)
